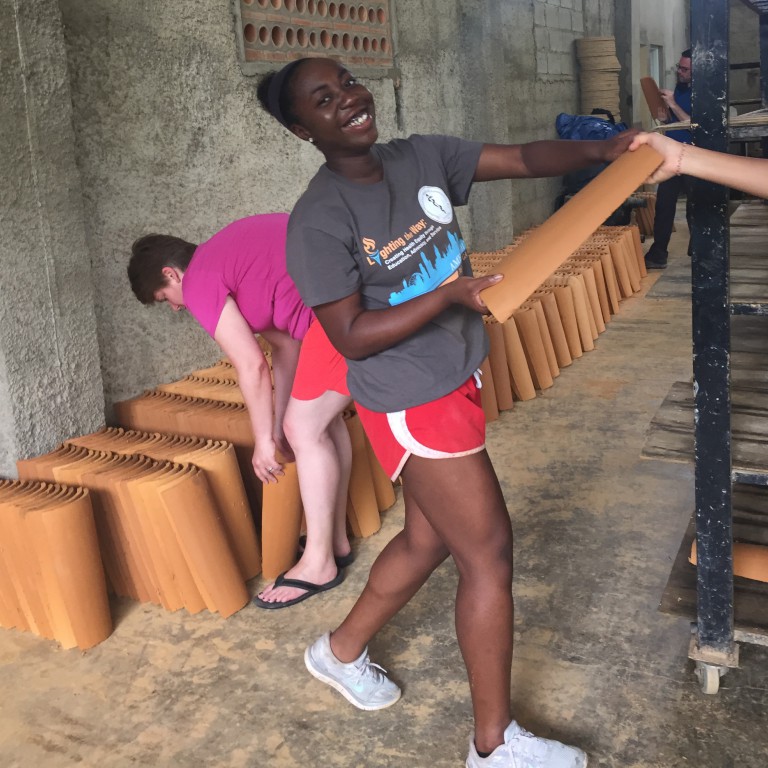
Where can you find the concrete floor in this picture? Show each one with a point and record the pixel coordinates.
(596, 663)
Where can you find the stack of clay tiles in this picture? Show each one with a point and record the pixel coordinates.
(598, 75)
(207, 403)
(218, 463)
(160, 531)
(644, 217)
(562, 319)
(51, 577)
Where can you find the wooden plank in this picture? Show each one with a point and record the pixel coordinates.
(670, 435)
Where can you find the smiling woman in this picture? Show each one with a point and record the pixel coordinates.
(375, 248)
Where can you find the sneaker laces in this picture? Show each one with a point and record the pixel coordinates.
(367, 668)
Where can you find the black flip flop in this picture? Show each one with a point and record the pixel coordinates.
(342, 561)
(311, 589)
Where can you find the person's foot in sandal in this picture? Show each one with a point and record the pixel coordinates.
(302, 589)
(316, 571)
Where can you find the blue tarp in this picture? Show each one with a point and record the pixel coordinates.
(585, 127)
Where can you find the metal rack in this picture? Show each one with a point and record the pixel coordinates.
(714, 642)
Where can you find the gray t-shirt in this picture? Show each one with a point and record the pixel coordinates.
(393, 241)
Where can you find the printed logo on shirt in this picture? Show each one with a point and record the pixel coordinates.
(432, 272)
(371, 252)
(439, 253)
(435, 203)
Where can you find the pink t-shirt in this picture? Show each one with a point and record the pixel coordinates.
(246, 260)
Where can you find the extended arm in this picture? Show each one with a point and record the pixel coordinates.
(748, 174)
(285, 356)
(235, 337)
(358, 333)
(547, 158)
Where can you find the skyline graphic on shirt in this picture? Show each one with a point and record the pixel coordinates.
(431, 273)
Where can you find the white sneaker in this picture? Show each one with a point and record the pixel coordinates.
(524, 750)
(361, 682)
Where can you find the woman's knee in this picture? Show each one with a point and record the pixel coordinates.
(489, 562)
(304, 426)
(433, 552)
(309, 422)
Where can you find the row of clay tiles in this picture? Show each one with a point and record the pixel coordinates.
(562, 319)
(51, 576)
(173, 522)
(214, 417)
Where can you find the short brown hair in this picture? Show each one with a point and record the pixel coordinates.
(149, 254)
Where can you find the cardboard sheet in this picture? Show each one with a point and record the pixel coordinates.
(548, 246)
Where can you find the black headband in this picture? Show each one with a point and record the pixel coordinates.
(276, 90)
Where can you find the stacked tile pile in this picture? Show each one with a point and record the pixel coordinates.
(562, 319)
(645, 216)
(598, 75)
(218, 463)
(51, 577)
(168, 512)
(276, 506)
(160, 530)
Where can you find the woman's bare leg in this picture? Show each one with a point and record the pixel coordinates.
(339, 434)
(320, 441)
(452, 506)
(397, 574)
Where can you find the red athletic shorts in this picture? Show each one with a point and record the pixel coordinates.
(320, 367)
(451, 426)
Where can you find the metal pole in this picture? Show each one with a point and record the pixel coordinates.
(764, 71)
(711, 333)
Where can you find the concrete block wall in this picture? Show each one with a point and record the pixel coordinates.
(557, 23)
(168, 137)
(50, 377)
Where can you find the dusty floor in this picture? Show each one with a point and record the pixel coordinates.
(596, 663)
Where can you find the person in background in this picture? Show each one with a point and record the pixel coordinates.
(375, 248)
(236, 285)
(678, 110)
(747, 174)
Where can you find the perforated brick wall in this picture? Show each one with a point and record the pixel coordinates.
(360, 34)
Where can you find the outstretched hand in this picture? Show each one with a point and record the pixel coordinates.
(669, 149)
(466, 291)
(618, 145)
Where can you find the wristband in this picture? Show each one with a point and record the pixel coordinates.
(680, 160)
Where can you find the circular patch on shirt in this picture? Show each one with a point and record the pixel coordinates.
(435, 203)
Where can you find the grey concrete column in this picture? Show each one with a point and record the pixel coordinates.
(50, 377)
